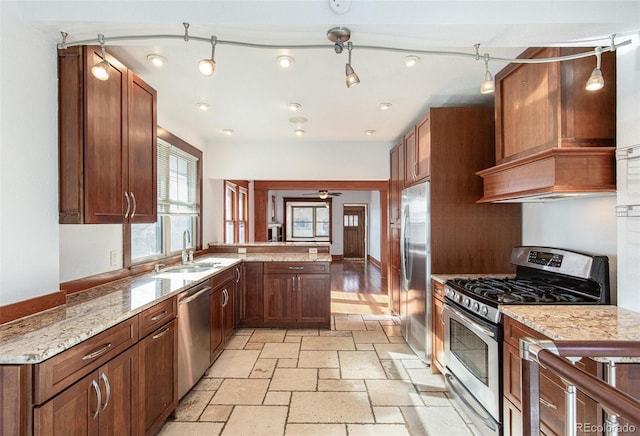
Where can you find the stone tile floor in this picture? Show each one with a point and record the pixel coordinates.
(359, 378)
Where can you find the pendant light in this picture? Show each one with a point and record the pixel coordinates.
(596, 81)
(101, 70)
(352, 78)
(488, 85)
(208, 66)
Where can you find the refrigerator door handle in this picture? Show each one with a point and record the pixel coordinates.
(404, 244)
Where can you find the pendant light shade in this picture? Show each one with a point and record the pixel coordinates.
(351, 78)
(596, 81)
(488, 85)
(208, 66)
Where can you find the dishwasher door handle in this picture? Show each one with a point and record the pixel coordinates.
(190, 298)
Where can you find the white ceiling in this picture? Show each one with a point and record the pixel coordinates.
(249, 91)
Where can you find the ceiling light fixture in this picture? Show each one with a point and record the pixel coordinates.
(369, 132)
(101, 70)
(385, 106)
(488, 85)
(228, 132)
(285, 61)
(338, 35)
(208, 66)
(299, 132)
(352, 78)
(323, 194)
(410, 61)
(596, 81)
(157, 60)
(294, 106)
(203, 106)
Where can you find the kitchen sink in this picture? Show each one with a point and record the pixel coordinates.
(184, 269)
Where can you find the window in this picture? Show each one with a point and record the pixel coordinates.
(308, 220)
(179, 186)
(236, 211)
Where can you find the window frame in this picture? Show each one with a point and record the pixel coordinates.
(184, 146)
(290, 202)
(240, 189)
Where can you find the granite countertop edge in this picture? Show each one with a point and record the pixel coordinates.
(35, 338)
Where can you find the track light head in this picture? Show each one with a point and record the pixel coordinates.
(351, 78)
(208, 66)
(488, 85)
(596, 81)
(101, 70)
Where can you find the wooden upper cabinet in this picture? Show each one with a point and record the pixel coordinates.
(543, 106)
(417, 153)
(395, 185)
(107, 135)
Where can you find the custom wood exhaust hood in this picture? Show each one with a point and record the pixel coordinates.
(552, 174)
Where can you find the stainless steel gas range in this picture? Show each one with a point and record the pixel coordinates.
(473, 330)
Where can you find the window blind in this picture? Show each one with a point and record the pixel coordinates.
(177, 181)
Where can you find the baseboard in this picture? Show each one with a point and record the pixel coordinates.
(11, 312)
(374, 261)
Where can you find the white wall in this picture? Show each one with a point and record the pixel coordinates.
(375, 225)
(28, 170)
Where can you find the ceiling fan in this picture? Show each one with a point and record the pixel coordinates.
(323, 193)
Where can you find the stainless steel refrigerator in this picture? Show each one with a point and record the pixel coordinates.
(415, 256)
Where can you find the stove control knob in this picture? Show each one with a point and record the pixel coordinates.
(484, 310)
(447, 291)
(476, 307)
(456, 297)
(466, 301)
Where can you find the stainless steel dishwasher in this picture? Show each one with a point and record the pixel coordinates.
(194, 336)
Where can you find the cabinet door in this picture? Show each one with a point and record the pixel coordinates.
(313, 295)
(105, 136)
(74, 412)
(438, 333)
(394, 299)
(119, 382)
(279, 298)
(228, 310)
(158, 377)
(395, 185)
(423, 149)
(410, 156)
(141, 153)
(251, 293)
(217, 326)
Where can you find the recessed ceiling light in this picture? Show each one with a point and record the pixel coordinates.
(294, 106)
(299, 132)
(410, 61)
(369, 132)
(285, 61)
(385, 106)
(228, 132)
(156, 60)
(203, 106)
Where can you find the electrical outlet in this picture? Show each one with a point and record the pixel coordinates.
(242, 250)
(313, 251)
(114, 258)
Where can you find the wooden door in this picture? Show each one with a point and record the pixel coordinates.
(158, 377)
(142, 151)
(251, 293)
(313, 299)
(279, 298)
(354, 232)
(105, 137)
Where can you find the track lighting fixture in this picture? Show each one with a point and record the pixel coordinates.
(352, 78)
(596, 81)
(208, 66)
(338, 35)
(488, 85)
(101, 70)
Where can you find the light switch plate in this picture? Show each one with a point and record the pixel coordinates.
(242, 250)
(313, 251)
(114, 257)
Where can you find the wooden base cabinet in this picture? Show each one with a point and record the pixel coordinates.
(101, 403)
(437, 356)
(222, 310)
(297, 294)
(251, 293)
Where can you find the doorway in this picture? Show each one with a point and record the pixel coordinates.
(354, 233)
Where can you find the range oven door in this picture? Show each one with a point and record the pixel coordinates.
(472, 353)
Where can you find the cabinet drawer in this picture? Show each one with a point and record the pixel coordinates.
(223, 277)
(156, 316)
(438, 290)
(296, 267)
(60, 371)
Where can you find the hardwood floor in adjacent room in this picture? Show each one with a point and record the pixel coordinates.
(358, 288)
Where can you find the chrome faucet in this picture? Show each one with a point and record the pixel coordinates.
(186, 239)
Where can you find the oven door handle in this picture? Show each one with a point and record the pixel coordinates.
(487, 420)
(472, 324)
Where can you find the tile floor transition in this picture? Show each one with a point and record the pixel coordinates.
(359, 378)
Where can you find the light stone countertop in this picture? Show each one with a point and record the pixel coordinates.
(35, 338)
(442, 278)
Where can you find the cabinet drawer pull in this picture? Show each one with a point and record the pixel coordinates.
(548, 404)
(96, 388)
(107, 388)
(296, 267)
(159, 316)
(161, 334)
(97, 353)
(126, 214)
(135, 205)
